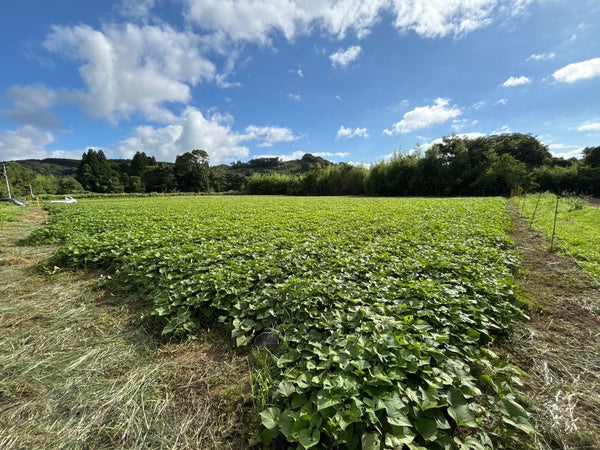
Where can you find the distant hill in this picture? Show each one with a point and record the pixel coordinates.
(62, 167)
(59, 167)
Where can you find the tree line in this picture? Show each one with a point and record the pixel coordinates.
(489, 165)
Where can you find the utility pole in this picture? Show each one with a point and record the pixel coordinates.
(6, 179)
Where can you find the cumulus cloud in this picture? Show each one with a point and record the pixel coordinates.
(24, 143)
(583, 70)
(137, 9)
(589, 126)
(332, 155)
(130, 68)
(541, 56)
(256, 20)
(505, 129)
(427, 145)
(191, 130)
(270, 135)
(194, 130)
(32, 105)
(344, 57)
(516, 81)
(565, 151)
(349, 133)
(285, 157)
(424, 117)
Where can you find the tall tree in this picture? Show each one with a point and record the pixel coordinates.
(95, 173)
(191, 171)
(591, 156)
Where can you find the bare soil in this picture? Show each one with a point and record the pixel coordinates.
(594, 201)
(559, 347)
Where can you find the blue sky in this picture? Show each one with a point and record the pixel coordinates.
(349, 80)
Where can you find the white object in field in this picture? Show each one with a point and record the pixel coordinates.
(66, 200)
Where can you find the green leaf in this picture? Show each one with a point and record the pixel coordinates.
(307, 439)
(426, 428)
(270, 417)
(286, 388)
(325, 399)
(370, 441)
(241, 341)
(515, 415)
(459, 410)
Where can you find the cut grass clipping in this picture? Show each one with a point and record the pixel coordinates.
(379, 312)
(78, 371)
(558, 347)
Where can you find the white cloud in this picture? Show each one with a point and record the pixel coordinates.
(221, 82)
(257, 20)
(504, 130)
(130, 68)
(295, 97)
(192, 130)
(344, 57)
(427, 145)
(297, 72)
(565, 151)
(330, 154)
(459, 124)
(425, 116)
(578, 71)
(516, 81)
(298, 154)
(286, 157)
(349, 133)
(440, 18)
(32, 104)
(137, 9)
(541, 56)
(27, 142)
(589, 126)
(271, 135)
(501, 102)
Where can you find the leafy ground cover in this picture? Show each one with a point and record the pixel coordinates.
(577, 226)
(379, 312)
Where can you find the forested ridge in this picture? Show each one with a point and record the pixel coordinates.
(489, 165)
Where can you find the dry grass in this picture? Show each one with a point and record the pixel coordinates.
(560, 346)
(77, 370)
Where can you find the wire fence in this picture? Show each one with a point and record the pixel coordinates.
(571, 223)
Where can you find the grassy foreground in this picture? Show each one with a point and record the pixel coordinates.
(77, 370)
(9, 212)
(577, 226)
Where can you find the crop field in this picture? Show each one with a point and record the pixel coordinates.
(377, 313)
(577, 227)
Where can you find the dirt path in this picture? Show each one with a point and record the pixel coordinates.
(560, 346)
(78, 370)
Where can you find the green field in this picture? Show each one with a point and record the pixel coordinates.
(379, 311)
(577, 226)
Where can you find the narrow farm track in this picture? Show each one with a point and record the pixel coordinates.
(77, 370)
(559, 347)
